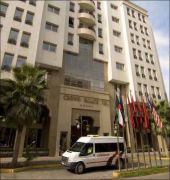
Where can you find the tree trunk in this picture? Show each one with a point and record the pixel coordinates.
(16, 147)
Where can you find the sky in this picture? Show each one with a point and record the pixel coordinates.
(158, 11)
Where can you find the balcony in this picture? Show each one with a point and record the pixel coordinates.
(87, 32)
(86, 17)
(89, 5)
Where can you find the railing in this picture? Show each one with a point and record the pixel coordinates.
(88, 27)
(85, 11)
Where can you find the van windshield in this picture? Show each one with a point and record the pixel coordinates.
(77, 147)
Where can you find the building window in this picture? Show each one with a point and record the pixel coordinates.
(70, 39)
(140, 89)
(140, 55)
(13, 36)
(20, 61)
(135, 26)
(128, 11)
(145, 90)
(146, 57)
(72, 5)
(18, 14)
(32, 2)
(118, 49)
(139, 16)
(158, 93)
(116, 33)
(3, 9)
(132, 37)
(153, 92)
(143, 17)
(141, 29)
(155, 76)
(137, 40)
(130, 24)
(114, 19)
(151, 59)
(49, 46)
(51, 27)
(134, 53)
(100, 34)
(98, 5)
(149, 45)
(142, 71)
(53, 9)
(137, 70)
(119, 66)
(29, 18)
(25, 40)
(149, 73)
(71, 22)
(144, 42)
(146, 31)
(113, 6)
(99, 18)
(7, 62)
(133, 13)
(101, 48)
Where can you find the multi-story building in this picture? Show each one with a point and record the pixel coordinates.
(90, 50)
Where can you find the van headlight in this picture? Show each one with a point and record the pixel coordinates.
(64, 160)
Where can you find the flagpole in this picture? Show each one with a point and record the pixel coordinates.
(125, 149)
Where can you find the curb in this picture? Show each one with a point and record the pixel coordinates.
(13, 170)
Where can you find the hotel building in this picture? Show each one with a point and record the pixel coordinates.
(90, 50)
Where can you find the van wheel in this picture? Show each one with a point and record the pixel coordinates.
(121, 164)
(79, 169)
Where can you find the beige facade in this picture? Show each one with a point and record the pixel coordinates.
(115, 36)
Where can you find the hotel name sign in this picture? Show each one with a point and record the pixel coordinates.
(89, 100)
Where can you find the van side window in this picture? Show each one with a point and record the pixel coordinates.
(105, 147)
(88, 149)
(121, 147)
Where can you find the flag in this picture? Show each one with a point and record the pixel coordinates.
(119, 113)
(122, 107)
(140, 111)
(134, 113)
(131, 113)
(156, 117)
(146, 118)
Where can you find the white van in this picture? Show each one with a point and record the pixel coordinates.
(94, 151)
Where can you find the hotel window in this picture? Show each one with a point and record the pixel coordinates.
(142, 71)
(143, 17)
(149, 45)
(72, 6)
(158, 93)
(133, 13)
(144, 42)
(32, 2)
(99, 5)
(71, 22)
(146, 57)
(145, 90)
(134, 53)
(100, 34)
(3, 9)
(141, 29)
(29, 18)
(116, 33)
(20, 61)
(13, 36)
(139, 16)
(25, 39)
(114, 19)
(151, 59)
(7, 62)
(132, 37)
(101, 48)
(135, 26)
(70, 39)
(140, 89)
(149, 73)
(137, 70)
(18, 14)
(128, 11)
(155, 76)
(99, 17)
(51, 27)
(130, 24)
(113, 6)
(153, 92)
(118, 49)
(137, 40)
(49, 46)
(53, 9)
(146, 31)
(140, 55)
(119, 66)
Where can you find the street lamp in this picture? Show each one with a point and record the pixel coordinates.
(80, 122)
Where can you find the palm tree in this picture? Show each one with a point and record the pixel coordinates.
(22, 100)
